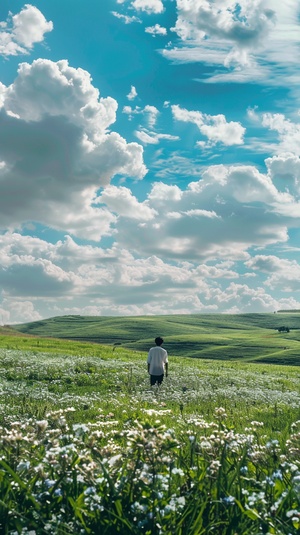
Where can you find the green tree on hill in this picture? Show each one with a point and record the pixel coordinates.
(283, 329)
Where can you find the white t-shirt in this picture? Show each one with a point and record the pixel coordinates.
(157, 357)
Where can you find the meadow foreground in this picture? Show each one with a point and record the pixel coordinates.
(88, 447)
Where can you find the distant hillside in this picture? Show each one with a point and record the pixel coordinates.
(7, 330)
(251, 337)
(291, 311)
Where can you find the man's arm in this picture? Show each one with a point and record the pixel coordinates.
(166, 367)
(148, 361)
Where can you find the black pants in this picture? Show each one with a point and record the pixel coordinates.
(156, 379)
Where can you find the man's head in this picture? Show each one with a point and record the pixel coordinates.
(159, 341)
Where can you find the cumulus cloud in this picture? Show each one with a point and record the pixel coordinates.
(252, 40)
(84, 279)
(23, 31)
(282, 273)
(245, 23)
(149, 6)
(150, 112)
(232, 30)
(18, 311)
(214, 127)
(288, 131)
(222, 215)
(284, 167)
(284, 170)
(132, 93)
(87, 275)
(35, 277)
(239, 298)
(57, 149)
(121, 201)
(45, 88)
(162, 192)
(27, 270)
(157, 29)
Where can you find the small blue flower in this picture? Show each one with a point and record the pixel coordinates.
(49, 483)
(277, 475)
(228, 500)
(90, 491)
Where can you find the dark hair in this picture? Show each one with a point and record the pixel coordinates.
(158, 341)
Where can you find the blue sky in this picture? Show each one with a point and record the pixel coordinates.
(149, 157)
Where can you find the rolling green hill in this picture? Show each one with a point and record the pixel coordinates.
(249, 337)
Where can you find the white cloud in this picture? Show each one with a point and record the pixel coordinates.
(130, 111)
(222, 215)
(149, 6)
(169, 166)
(283, 273)
(2, 94)
(28, 27)
(214, 127)
(146, 137)
(156, 30)
(126, 18)
(150, 112)
(46, 88)
(18, 311)
(219, 271)
(240, 298)
(249, 185)
(29, 276)
(208, 53)
(41, 279)
(161, 192)
(58, 150)
(289, 132)
(252, 39)
(239, 27)
(284, 170)
(132, 94)
(87, 275)
(121, 201)
(201, 213)
(153, 138)
(245, 23)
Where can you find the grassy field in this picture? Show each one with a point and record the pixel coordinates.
(248, 337)
(88, 447)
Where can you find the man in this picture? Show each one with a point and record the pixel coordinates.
(157, 362)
